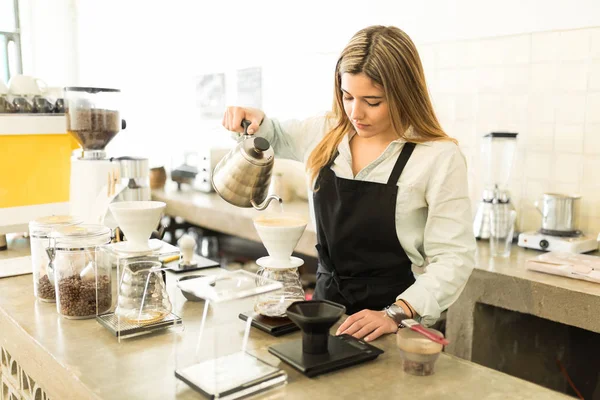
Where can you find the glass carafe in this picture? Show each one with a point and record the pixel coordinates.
(143, 297)
(275, 304)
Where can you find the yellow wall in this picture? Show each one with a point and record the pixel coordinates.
(35, 169)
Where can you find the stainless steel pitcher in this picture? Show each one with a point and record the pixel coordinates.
(243, 176)
(560, 213)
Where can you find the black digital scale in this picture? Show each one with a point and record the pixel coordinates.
(199, 263)
(342, 351)
(272, 326)
(317, 352)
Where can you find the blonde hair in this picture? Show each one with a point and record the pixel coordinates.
(389, 57)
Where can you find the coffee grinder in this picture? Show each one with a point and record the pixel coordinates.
(93, 120)
(319, 352)
(497, 153)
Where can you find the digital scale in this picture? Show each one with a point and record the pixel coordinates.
(537, 240)
(319, 352)
(272, 326)
(233, 376)
(342, 351)
(199, 263)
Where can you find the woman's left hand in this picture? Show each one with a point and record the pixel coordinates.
(367, 324)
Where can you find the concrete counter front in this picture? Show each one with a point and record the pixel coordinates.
(525, 323)
(70, 359)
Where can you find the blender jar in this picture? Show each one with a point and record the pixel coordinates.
(275, 303)
(82, 271)
(93, 118)
(39, 232)
(142, 296)
(498, 151)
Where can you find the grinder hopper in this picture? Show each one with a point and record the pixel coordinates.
(93, 118)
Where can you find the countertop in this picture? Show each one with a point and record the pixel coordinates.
(210, 211)
(79, 359)
(500, 282)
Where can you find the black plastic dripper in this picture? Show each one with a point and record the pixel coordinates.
(315, 317)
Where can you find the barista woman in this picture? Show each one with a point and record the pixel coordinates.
(389, 188)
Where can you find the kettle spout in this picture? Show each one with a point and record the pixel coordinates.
(265, 204)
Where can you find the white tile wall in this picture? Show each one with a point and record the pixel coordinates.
(591, 139)
(543, 46)
(546, 87)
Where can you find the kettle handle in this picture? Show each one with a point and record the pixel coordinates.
(245, 124)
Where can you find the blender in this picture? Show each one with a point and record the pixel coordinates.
(93, 120)
(497, 152)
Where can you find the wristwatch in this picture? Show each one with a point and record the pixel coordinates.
(396, 313)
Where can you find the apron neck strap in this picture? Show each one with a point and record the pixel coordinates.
(401, 163)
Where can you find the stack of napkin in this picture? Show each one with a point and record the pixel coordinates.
(15, 266)
(576, 266)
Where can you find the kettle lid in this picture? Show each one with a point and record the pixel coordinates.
(258, 151)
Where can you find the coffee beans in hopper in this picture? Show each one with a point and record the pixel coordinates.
(93, 128)
(77, 297)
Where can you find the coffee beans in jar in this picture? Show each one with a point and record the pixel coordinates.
(45, 289)
(40, 231)
(77, 296)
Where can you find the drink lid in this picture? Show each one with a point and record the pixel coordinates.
(413, 342)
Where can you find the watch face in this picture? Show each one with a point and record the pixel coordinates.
(397, 313)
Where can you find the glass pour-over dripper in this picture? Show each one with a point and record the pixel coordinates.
(280, 234)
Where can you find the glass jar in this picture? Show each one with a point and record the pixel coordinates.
(275, 304)
(39, 232)
(82, 270)
(142, 296)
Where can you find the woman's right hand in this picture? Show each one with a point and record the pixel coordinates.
(232, 120)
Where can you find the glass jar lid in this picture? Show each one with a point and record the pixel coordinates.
(79, 236)
(41, 227)
(413, 342)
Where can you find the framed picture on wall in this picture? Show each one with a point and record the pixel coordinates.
(249, 87)
(210, 95)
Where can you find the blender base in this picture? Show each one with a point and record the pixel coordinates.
(344, 351)
(272, 326)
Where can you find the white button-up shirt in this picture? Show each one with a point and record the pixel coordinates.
(433, 210)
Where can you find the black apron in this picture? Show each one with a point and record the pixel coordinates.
(362, 265)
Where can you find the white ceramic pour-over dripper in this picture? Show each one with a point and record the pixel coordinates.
(280, 234)
(137, 220)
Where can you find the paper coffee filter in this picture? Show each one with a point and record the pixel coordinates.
(137, 220)
(280, 233)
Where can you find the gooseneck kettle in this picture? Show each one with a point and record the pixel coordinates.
(243, 176)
